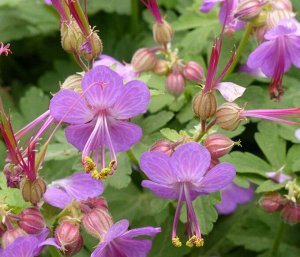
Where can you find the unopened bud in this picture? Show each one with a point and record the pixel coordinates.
(67, 235)
(161, 67)
(33, 191)
(92, 47)
(274, 17)
(162, 32)
(218, 145)
(31, 221)
(96, 202)
(193, 71)
(271, 202)
(175, 83)
(291, 213)
(249, 9)
(97, 222)
(71, 36)
(13, 174)
(11, 235)
(282, 5)
(72, 82)
(143, 60)
(163, 145)
(213, 163)
(259, 33)
(228, 116)
(205, 105)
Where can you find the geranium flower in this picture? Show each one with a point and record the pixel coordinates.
(276, 55)
(98, 116)
(232, 196)
(79, 186)
(119, 241)
(184, 176)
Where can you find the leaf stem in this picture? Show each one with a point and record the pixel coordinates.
(240, 49)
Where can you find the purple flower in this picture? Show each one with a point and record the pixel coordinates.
(121, 242)
(98, 116)
(79, 186)
(152, 6)
(232, 196)
(226, 14)
(4, 49)
(184, 176)
(27, 246)
(125, 71)
(278, 176)
(276, 55)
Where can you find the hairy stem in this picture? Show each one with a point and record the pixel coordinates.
(277, 240)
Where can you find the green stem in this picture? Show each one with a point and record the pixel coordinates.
(240, 49)
(277, 240)
(80, 62)
(134, 17)
(63, 213)
(54, 252)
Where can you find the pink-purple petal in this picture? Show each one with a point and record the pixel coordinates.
(57, 197)
(134, 100)
(163, 191)
(207, 5)
(147, 231)
(191, 162)
(21, 247)
(217, 178)
(156, 165)
(80, 186)
(78, 135)
(133, 248)
(123, 135)
(70, 107)
(116, 230)
(102, 86)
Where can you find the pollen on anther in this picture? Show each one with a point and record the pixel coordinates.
(176, 241)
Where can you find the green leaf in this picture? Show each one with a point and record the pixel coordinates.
(186, 113)
(247, 163)
(33, 103)
(156, 121)
(11, 196)
(269, 186)
(293, 162)
(273, 146)
(170, 134)
(121, 177)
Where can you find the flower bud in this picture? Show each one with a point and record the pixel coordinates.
(92, 47)
(271, 202)
(31, 221)
(11, 235)
(249, 9)
(218, 145)
(13, 174)
(72, 82)
(96, 202)
(67, 235)
(259, 33)
(228, 116)
(291, 213)
(213, 163)
(193, 71)
(161, 67)
(282, 5)
(143, 60)
(163, 145)
(97, 222)
(33, 191)
(205, 105)
(175, 83)
(71, 36)
(274, 17)
(162, 32)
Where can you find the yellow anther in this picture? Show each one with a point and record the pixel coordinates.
(88, 164)
(195, 241)
(112, 164)
(104, 173)
(176, 241)
(95, 174)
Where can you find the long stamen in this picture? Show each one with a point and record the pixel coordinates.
(195, 240)
(175, 239)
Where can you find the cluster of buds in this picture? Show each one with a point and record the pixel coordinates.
(264, 14)
(288, 205)
(77, 36)
(92, 215)
(29, 222)
(162, 60)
